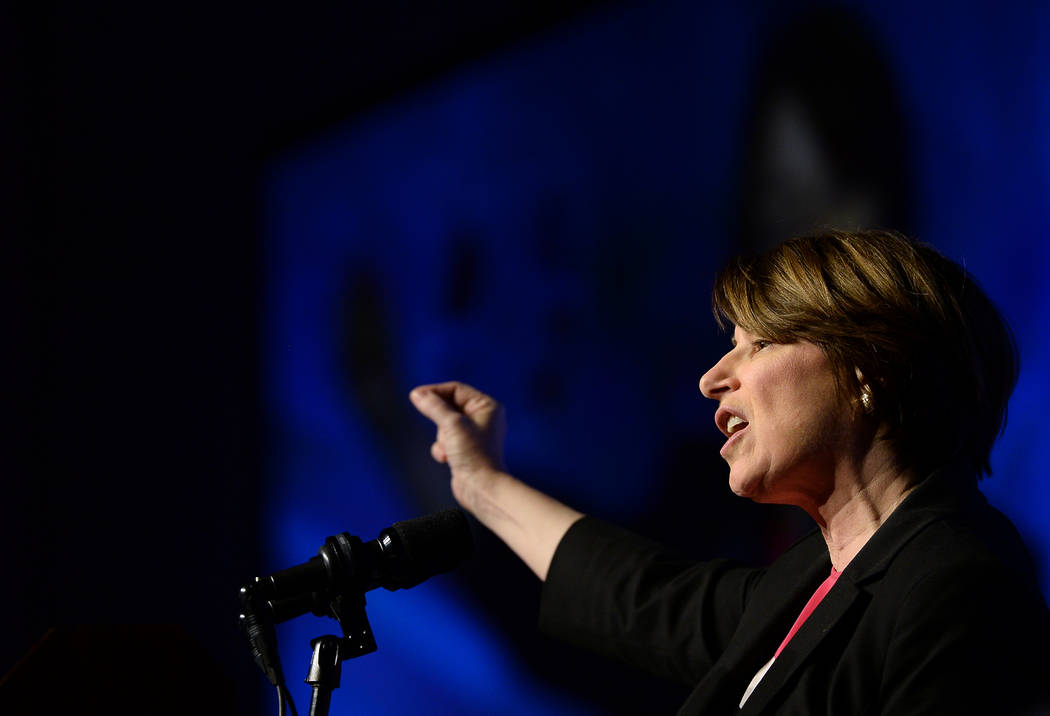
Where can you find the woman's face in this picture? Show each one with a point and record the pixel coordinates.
(787, 428)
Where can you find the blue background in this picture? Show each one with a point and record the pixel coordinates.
(545, 224)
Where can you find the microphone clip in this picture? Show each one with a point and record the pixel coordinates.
(332, 584)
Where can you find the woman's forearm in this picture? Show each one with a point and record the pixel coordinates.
(530, 522)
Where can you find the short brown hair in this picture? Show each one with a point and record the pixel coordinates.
(939, 358)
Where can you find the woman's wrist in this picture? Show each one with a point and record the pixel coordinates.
(477, 494)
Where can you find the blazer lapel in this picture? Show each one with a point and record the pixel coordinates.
(837, 602)
(770, 613)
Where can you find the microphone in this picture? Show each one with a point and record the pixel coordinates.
(335, 581)
(401, 557)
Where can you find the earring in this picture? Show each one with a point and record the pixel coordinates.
(865, 399)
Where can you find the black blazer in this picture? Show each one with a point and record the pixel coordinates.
(939, 613)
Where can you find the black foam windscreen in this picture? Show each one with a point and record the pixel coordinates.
(417, 549)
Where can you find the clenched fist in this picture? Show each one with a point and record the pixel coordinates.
(471, 427)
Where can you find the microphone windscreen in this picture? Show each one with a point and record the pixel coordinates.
(426, 546)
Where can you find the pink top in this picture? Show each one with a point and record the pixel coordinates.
(818, 595)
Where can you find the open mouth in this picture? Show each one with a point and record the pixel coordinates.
(735, 425)
(735, 429)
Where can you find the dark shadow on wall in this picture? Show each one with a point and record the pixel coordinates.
(826, 143)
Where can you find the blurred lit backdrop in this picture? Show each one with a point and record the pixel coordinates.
(237, 239)
(545, 224)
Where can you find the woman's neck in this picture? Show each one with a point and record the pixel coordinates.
(864, 497)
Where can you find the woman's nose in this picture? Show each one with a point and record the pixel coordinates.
(718, 380)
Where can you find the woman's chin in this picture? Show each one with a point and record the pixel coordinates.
(746, 487)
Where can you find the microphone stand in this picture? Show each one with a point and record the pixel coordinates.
(330, 651)
(326, 669)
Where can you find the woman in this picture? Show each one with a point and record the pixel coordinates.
(867, 381)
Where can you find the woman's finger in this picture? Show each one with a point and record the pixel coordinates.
(459, 395)
(430, 402)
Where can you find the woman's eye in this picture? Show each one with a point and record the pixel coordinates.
(760, 344)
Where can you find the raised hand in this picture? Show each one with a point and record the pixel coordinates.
(471, 427)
